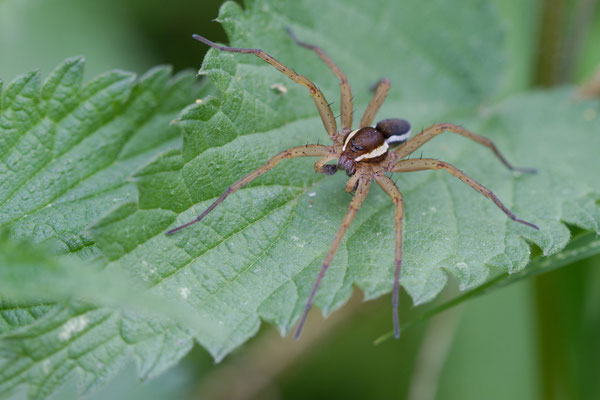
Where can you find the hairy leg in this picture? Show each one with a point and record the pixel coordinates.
(434, 130)
(429, 163)
(381, 92)
(345, 90)
(312, 150)
(359, 197)
(322, 167)
(390, 188)
(324, 110)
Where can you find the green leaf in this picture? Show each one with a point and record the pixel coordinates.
(67, 154)
(34, 274)
(261, 262)
(67, 149)
(82, 318)
(583, 246)
(257, 255)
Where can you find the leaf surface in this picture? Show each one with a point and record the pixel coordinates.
(67, 149)
(257, 255)
(67, 153)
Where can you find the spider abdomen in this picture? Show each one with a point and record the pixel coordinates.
(395, 130)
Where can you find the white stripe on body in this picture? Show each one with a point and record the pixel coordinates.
(350, 136)
(398, 138)
(375, 152)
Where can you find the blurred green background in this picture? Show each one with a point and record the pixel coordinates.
(538, 339)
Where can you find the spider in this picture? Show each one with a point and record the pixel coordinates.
(365, 153)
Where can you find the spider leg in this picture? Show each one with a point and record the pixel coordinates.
(383, 87)
(359, 197)
(429, 163)
(313, 150)
(345, 90)
(392, 190)
(324, 110)
(322, 167)
(435, 129)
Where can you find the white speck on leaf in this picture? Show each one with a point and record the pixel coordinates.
(72, 326)
(462, 266)
(300, 243)
(279, 88)
(184, 292)
(312, 194)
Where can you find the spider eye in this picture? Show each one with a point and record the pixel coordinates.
(395, 130)
(354, 147)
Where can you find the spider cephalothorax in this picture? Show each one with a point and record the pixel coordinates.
(370, 145)
(366, 153)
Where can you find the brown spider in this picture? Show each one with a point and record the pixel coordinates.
(364, 154)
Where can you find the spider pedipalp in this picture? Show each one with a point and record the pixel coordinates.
(366, 153)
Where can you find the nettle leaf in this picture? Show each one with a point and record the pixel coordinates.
(67, 154)
(81, 335)
(35, 274)
(257, 255)
(67, 149)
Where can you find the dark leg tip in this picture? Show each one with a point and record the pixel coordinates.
(299, 330)
(292, 34)
(297, 336)
(328, 169)
(205, 41)
(177, 229)
(373, 87)
(302, 321)
(526, 170)
(534, 226)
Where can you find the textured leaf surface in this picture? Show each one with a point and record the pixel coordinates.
(67, 149)
(583, 246)
(258, 254)
(67, 153)
(87, 338)
(34, 274)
